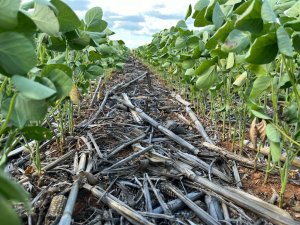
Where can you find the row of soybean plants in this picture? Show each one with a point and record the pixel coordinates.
(47, 55)
(241, 63)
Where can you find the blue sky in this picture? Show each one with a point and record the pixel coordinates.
(134, 21)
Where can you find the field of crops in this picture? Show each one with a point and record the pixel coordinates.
(200, 126)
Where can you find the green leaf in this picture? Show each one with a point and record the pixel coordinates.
(48, 68)
(230, 61)
(45, 19)
(294, 24)
(260, 84)
(209, 10)
(267, 13)
(17, 53)
(7, 213)
(9, 13)
(12, 191)
(68, 20)
(31, 89)
(63, 83)
(260, 115)
(275, 151)
(25, 109)
(272, 134)
(206, 65)
(200, 20)
(94, 71)
(251, 19)
(25, 25)
(93, 20)
(294, 11)
(190, 72)
(56, 44)
(186, 64)
(236, 41)
(189, 12)
(284, 41)
(206, 80)
(218, 16)
(180, 43)
(264, 49)
(37, 133)
(220, 35)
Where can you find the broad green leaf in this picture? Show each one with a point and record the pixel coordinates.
(94, 71)
(218, 16)
(284, 41)
(251, 19)
(68, 20)
(11, 190)
(180, 42)
(7, 213)
(186, 64)
(294, 24)
(27, 109)
(201, 4)
(260, 115)
(9, 13)
(93, 20)
(17, 53)
(267, 13)
(232, 2)
(93, 56)
(181, 24)
(258, 70)
(206, 80)
(206, 65)
(36, 133)
(209, 10)
(236, 41)
(272, 134)
(220, 35)
(105, 50)
(263, 50)
(78, 40)
(294, 11)
(241, 79)
(190, 72)
(275, 151)
(25, 24)
(48, 68)
(63, 83)
(45, 19)
(200, 20)
(230, 61)
(31, 89)
(56, 44)
(189, 12)
(260, 84)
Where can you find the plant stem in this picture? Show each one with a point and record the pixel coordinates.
(9, 113)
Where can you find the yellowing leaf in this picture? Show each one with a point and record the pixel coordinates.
(75, 95)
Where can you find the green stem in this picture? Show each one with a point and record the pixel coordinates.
(9, 113)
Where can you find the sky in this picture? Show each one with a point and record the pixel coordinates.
(135, 21)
